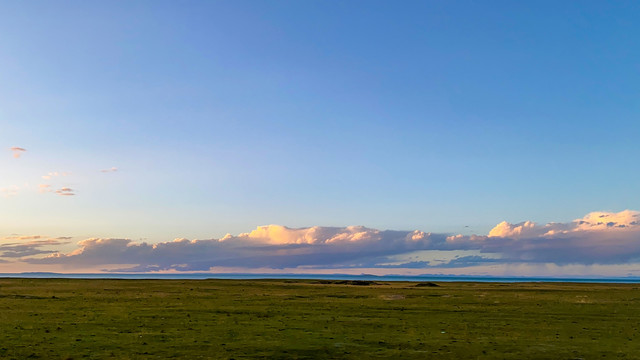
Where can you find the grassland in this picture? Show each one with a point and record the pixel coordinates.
(161, 319)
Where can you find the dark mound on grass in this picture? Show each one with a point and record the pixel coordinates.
(348, 282)
(426, 284)
(15, 296)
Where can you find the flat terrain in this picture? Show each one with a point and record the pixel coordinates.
(191, 319)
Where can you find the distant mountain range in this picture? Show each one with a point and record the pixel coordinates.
(425, 277)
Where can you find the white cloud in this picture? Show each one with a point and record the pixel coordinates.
(606, 220)
(595, 221)
(279, 235)
(504, 229)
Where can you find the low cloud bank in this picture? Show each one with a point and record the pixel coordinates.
(270, 246)
(29, 248)
(597, 238)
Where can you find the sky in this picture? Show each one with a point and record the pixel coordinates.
(380, 137)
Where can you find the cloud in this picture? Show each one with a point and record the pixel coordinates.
(113, 169)
(44, 188)
(17, 151)
(267, 246)
(595, 221)
(9, 191)
(48, 188)
(598, 238)
(279, 235)
(31, 248)
(53, 174)
(504, 229)
(23, 237)
(605, 220)
(65, 191)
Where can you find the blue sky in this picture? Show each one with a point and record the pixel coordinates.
(221, 116)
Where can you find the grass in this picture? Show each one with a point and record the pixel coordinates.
(305, 319)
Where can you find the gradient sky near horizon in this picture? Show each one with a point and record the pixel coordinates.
(157, 120)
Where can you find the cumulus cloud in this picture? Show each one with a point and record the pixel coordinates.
(279, 235)
(267, 246)
(606, 220)
(598, 238)
(17, 151)
(595, 221)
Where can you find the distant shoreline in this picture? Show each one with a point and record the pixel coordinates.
(442, 278)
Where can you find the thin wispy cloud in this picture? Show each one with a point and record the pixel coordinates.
(42, 188)
(65, 191)
(23, 237)
(30, 248)
(54, 174)
(113, 169)
(45, 188)
(48, 187)
(9, 191)
(17, 151)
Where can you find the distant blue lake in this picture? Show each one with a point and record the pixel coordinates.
(447, 278)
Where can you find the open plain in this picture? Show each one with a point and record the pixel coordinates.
(308, 319)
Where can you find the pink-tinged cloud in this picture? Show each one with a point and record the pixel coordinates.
(44, 188)
(53, 174)
(65, 191)
(598, 238)
(9, 191)
(112, 169)
(271, 246)
(23, 237)
(29, 248)
(17, 151)
(282, 235)
(595, 221)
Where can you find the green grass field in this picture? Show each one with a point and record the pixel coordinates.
(70, 318)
